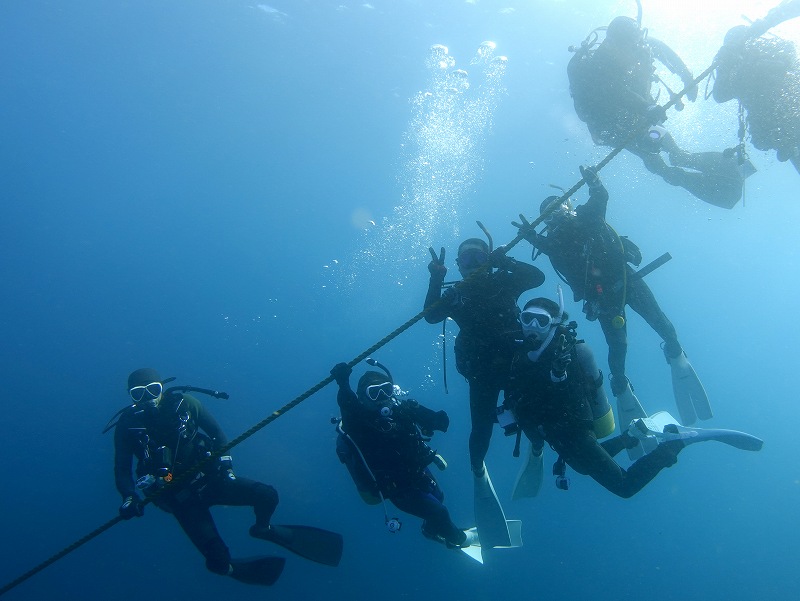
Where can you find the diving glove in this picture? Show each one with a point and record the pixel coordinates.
(132, 507)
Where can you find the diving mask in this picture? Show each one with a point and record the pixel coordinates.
(536, 321)
(376, 392)
(148, 392)
(472, 258)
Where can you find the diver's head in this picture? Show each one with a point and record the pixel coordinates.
(737, 36)
(374, 388)
(555, 213)
(624, 31)
(541, 316)
(145, 386)
(473, 254)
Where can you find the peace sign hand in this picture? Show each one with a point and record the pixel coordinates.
(436, 266)
(526, 229)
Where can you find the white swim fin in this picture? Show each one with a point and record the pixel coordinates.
(490, 519)
(529, 478)
(472, 546)
(629, 409)
(662, 426)
(690, 396)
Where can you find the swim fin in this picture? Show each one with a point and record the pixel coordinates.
(690, 396)
(489, 516)
(529, 479)
(629, 409)
(662, 426)
(257, 570)
(318, 545)
(473, 548)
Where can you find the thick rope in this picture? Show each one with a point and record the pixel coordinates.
(322, 383)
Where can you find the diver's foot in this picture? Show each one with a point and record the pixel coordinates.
(430, 535)
(784, 154)
(471, 539)
(679, 158)
(271, 533)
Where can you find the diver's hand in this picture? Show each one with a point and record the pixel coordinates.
(561, 360)
(655, 114)
(341, 373)
(589, 175)
(442, 421)
(499, 259)
(526, 229)
(436, 266)
(132, 507)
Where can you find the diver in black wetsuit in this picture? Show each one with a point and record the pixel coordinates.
(610, 84)
(382, 441)
(555, 393)
(169, 433)
(763, 74)
(593, 259)
(484, 305)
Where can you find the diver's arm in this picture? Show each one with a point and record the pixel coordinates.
(597, 205)
(788, 9)
(670, 59)
(427, 419)
(345, 398)
(208, 423)
(123, 461)
(437, 304)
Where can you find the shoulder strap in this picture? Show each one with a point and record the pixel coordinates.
(115, 418)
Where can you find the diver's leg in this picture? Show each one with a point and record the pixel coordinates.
(617, 339)
(483, 393)
(716, 179)
(239, 492)
(196, 521)
(426, 504)
(795, 160)
(642, 300)
(583, 453)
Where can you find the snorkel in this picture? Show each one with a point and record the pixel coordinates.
(379, 365)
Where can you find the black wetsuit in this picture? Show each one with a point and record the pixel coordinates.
(611, 90)
(485, 308)
(592, 258)
(182, 425)
(397, 458)
(561, 414)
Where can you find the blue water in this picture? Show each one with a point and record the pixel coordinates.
(242, 195)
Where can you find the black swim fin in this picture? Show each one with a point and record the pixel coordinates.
(322, 546)
(258, 570)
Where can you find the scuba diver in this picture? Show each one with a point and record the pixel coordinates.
(555, 392)
(763, 75)
(174, 440)
(593, 260)
(383, 443)
(484, 305)
(610, 84)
